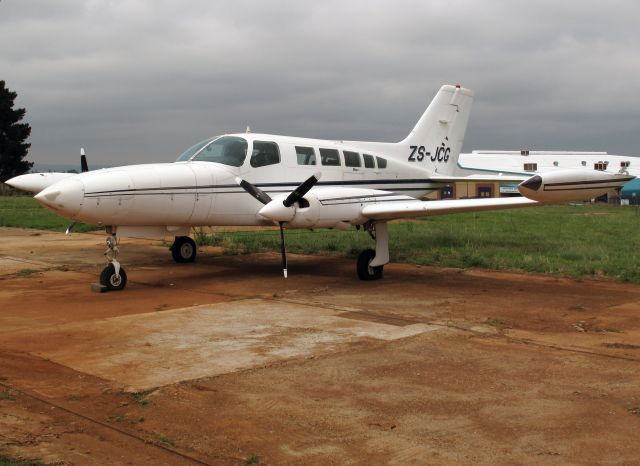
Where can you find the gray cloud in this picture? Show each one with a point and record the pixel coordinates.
(140, 80)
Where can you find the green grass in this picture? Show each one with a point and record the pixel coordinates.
(25, 212)
(575, 241)
(4, 461)
(6, 395)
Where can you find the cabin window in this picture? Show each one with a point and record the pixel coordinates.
(330, 157)
(264, 153)
(369, 162)
(530, 167)
(228, 150)
(625, 164)
(584, 163)
(600, 166)
(306, 155)
(351, 159)
(555, 163)
(382, 163)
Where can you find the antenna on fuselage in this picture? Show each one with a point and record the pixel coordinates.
(248, 129)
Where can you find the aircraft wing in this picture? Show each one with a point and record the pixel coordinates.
(479, 178)
(392, 210)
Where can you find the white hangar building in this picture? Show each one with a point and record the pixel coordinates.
(527, 163)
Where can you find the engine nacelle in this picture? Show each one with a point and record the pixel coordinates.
(571, 185)
(326, 207)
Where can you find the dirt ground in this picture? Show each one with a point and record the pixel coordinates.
(225, 362)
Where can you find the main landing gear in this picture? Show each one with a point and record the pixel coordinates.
(183, 249)
(113, 276)
(371, 262)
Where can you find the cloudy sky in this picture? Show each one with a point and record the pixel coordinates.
(140, 80)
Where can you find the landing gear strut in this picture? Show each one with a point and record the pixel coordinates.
(371, 262)
(113, 276)
(183, 249)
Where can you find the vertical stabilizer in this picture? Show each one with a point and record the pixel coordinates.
(436, 140)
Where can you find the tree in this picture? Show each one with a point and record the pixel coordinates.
(13, 148)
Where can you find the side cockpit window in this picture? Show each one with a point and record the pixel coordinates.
(264, 153)
(227, 150)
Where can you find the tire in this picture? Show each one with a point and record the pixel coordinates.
(109, 279)
(183, 249)
(364, 271)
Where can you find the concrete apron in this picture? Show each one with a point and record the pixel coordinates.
(144, 351)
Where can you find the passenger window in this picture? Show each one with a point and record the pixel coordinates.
(369, 162)
(330, 157)
(306, 155)
(382, 163)
(351, 159)
(264, 153)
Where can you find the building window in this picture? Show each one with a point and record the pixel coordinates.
(530, 167)
(382, 163)
(369, 161)
(600, 166)
(351, 159)
(330, 157)
(446, 192)
(306, 155)
(264, 153)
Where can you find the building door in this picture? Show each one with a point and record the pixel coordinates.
(484, 191)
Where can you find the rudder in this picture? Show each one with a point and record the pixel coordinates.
(436, 140)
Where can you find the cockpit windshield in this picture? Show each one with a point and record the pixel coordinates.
(187, 154)
(228, 150)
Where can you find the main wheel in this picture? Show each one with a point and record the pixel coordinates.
(183, 249)
(365, 271)
(112, 281)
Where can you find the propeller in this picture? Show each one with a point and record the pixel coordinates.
(84, 167)
(280, 211)
(83, 161)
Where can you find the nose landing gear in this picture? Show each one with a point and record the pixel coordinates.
(113, 276)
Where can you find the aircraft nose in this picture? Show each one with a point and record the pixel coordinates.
(64, 197)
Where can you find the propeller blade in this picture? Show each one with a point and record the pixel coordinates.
(301, 190)
(69, 228)
(283, 250)
(256, 192)
(83, 161)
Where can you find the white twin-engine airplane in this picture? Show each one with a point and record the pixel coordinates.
(259, 179)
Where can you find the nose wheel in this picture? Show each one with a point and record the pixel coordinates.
(111, 280)
(113, 276)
